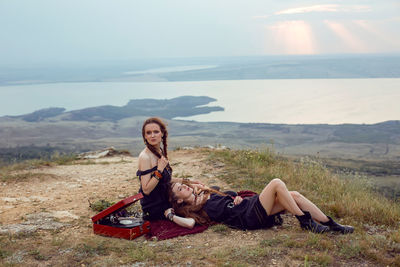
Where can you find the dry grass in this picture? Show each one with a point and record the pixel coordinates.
(375, 217)
(37, 163)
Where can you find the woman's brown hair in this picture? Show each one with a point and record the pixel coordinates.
(164, 132)
(192, 211)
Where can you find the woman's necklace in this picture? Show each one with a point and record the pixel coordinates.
(198, 198)
(195, 198)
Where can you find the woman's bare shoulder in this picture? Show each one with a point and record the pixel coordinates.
(144, 160)
(144, 155)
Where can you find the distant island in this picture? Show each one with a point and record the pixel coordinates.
(183, 106)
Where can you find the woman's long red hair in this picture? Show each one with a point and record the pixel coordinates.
(189, 210)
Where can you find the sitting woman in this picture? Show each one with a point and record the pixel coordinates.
(205, 205)
(155, 173)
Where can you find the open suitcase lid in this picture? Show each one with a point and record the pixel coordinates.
(117, 206)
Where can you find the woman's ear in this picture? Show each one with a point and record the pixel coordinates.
(179, 201)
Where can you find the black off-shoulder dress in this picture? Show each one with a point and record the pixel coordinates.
(248, 215)
(155, 203)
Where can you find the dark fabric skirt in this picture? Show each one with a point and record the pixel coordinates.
(248, 215)
(252, 216)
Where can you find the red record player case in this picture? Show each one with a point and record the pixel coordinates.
(127, 233)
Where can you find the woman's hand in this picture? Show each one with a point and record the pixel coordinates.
(168, 211)
(162, 163)
(196, 182)
(237, 200)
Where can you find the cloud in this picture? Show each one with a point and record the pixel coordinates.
(261, 17)
(324, 8)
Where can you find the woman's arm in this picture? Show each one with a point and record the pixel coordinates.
(184, 222)
(147, 181)
(181, 180)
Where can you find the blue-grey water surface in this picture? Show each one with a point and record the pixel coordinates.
(291, 101)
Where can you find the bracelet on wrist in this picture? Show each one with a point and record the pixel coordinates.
(158, 174)
(155, 176)
(170, 216)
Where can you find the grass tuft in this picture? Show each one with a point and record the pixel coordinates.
(92, 249)
(3, 254)
(139, 253)
(221, 229)
(100, 205)
(38, 256)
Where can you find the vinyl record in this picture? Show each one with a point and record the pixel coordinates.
(126, 222)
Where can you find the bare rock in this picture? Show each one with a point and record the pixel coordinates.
(34, 222)
(108, 152)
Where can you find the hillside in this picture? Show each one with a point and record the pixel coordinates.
(213, 68)
(50, 202)
(61, 133)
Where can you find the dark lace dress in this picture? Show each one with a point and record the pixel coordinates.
(155, 203)
(248, 215)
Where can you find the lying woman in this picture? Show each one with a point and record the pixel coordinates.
(205, 205)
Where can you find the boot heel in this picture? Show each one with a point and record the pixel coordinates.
(338, 228)
(307, 223)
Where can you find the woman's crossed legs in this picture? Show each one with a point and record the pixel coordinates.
(276, 198)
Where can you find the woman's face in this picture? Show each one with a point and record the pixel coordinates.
(153, 134)
(182, 191)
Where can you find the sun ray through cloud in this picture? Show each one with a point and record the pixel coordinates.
(293, 37)
(379, 35)
(352, 42)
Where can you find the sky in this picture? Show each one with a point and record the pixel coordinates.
(48, 31)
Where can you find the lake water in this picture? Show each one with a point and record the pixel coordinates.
(291, 101)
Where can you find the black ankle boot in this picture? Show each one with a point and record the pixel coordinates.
(278, 221)
(336, 227)
(307, 223)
